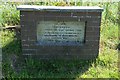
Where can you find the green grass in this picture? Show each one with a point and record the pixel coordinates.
(105, 66)
(9, 15)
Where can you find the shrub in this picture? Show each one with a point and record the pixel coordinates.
(9, 14)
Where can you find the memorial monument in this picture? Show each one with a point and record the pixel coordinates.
(68, 32)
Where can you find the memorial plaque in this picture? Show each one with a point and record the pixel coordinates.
(60, 33)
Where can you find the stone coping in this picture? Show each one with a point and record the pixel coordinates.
(60, 8)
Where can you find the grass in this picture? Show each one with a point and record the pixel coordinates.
(9, 16)
(105, 66)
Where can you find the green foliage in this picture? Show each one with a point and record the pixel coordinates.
(10, 43)
(1, 21)
(59, 4)
(109, 35)
(111, 12)
(9, 15)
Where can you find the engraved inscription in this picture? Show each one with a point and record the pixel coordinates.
(60, 33)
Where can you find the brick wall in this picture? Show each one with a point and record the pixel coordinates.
(90, 49)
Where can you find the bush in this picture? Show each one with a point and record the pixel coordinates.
(9, 14)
